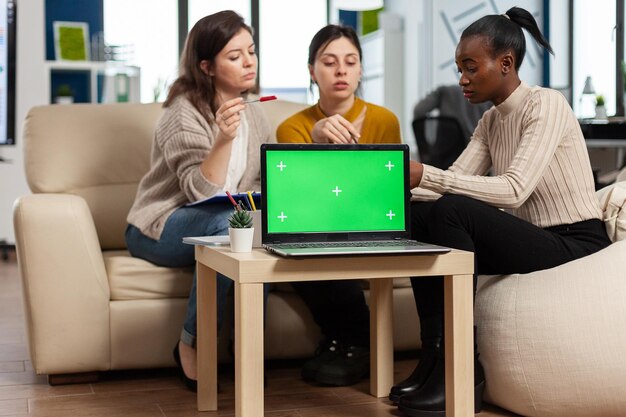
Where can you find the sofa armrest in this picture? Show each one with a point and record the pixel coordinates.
(65, 286)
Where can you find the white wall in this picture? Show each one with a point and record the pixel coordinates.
(559, 34)
(383, 64)
(432, 29)
(594, 55)
(451, 17)
(412, 12)
(30, 91)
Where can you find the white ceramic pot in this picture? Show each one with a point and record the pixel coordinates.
(64, 99)
(600, 112)
(241, 239)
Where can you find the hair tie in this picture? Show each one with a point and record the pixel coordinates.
(506, 15)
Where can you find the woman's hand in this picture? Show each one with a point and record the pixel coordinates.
(228, 119)
(215, 164)
(416, 170)
(335, 129)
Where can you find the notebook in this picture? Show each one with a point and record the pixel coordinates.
(222, 198)
(337, 200)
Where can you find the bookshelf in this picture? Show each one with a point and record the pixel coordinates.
(94, 81)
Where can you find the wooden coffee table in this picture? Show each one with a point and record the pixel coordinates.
(250, 270)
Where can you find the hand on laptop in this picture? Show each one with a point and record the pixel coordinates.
(416, 170)
(335, 129)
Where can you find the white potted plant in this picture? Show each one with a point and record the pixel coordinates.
(600, 108)
(64, 94)
(240, 231)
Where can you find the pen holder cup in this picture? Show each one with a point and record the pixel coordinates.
(256, 223)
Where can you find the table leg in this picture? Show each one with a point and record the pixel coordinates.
(249, 350)
(381, 336)
(459, 337)
(206, 343)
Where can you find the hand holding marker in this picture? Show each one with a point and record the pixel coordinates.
(252, 206)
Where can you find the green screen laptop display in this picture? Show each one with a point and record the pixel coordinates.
(334, 188)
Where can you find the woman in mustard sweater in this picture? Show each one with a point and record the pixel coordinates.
(340, 117)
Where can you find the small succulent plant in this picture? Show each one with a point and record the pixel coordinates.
(64, 90)
(240, 219)
(599, 100)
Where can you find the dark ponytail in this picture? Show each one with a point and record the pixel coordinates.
(504, 32)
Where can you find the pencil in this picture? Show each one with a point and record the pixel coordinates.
(251, 201)
(232, 200)
(244, 207)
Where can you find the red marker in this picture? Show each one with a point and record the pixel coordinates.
(262, 99)
(232, 200)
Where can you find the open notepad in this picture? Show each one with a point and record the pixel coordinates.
(223, 198)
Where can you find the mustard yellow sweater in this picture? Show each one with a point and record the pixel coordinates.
(379, 126)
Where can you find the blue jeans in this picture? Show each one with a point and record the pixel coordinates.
(170, 251)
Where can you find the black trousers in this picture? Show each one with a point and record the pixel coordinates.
(338, 308)
(501, 242)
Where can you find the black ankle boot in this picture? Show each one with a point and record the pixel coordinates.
(432, 349)
(430, 399)
(431, 330)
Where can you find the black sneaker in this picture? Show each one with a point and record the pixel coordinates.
(325, 352)
(347, 368)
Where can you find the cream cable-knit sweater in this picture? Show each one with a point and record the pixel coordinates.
(181, 141)
(541, 168)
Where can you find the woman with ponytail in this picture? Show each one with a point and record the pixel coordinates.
(537, 210)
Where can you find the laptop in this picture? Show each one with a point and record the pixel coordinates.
(337, 200)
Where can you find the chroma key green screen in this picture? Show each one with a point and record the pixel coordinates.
(334, 190)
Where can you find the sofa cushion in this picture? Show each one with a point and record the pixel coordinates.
(109, 204)
(135, 279)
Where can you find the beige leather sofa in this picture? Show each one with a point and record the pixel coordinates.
(89, 305)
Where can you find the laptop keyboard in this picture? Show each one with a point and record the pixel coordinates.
(366, 244)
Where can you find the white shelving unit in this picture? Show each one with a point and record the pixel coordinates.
(109, 69)
(383, 64)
